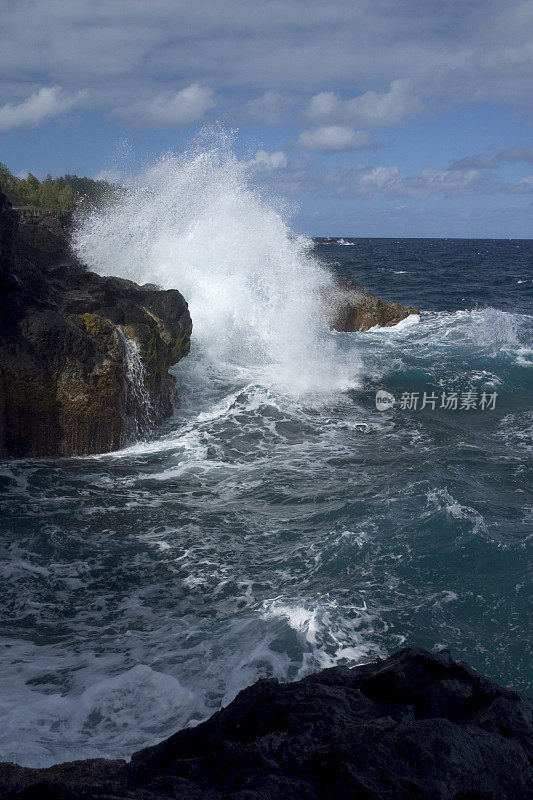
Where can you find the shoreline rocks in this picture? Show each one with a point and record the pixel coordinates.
(84, 359)
(415, 725)
(354, 309)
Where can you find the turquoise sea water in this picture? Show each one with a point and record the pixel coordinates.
(267, 532)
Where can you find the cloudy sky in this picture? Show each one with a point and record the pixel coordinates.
(372, 117)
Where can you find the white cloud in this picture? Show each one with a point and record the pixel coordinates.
(168, 109)
(268, 108)
(462, 52)
(371, 108)
(334, 139)
(48, 102)
(270, 161)
(511, 155)
(365, 181)
(525, 185)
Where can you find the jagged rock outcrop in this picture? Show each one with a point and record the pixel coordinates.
(354, 309)
(416, 726)
(83, 359)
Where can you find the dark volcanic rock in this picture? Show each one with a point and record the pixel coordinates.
(83, 359)
(354, 309)
(417, 725)
(43, 236)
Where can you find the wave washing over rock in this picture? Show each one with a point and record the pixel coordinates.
(261, 302)
(417, 725)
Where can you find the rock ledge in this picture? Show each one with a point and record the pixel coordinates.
(84, 359)
(352, 308)
(415, 726)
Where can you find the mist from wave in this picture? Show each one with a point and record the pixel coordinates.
(193, 221)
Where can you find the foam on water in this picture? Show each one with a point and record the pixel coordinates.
(408, 322)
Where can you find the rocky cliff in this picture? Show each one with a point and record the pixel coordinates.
(417, 726)
(83, 359)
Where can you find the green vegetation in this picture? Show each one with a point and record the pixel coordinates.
(54, 194)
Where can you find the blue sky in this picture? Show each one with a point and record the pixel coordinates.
(372, 117)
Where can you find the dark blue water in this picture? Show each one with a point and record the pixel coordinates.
(261, 532)
(441, 274)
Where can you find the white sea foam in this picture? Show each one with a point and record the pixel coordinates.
(408, 322)
(492, 326)
(516, 432)
(450, 340)
(442, 501)
(85, 721)
(524, 357)
(327, 634)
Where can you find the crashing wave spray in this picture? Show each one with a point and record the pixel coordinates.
(194, 222)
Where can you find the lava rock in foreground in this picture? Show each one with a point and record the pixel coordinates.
(84, 359)
(417, 725)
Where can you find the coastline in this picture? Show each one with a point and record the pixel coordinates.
(417, 724)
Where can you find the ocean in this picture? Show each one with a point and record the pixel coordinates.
(279, 523)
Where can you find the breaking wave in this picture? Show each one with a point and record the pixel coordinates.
(193, 221)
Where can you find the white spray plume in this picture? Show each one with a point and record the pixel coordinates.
(193, 222)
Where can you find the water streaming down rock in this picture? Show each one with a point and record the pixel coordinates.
(138, 407)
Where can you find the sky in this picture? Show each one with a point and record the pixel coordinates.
(371, 117)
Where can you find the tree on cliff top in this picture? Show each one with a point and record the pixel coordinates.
(54, 194)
